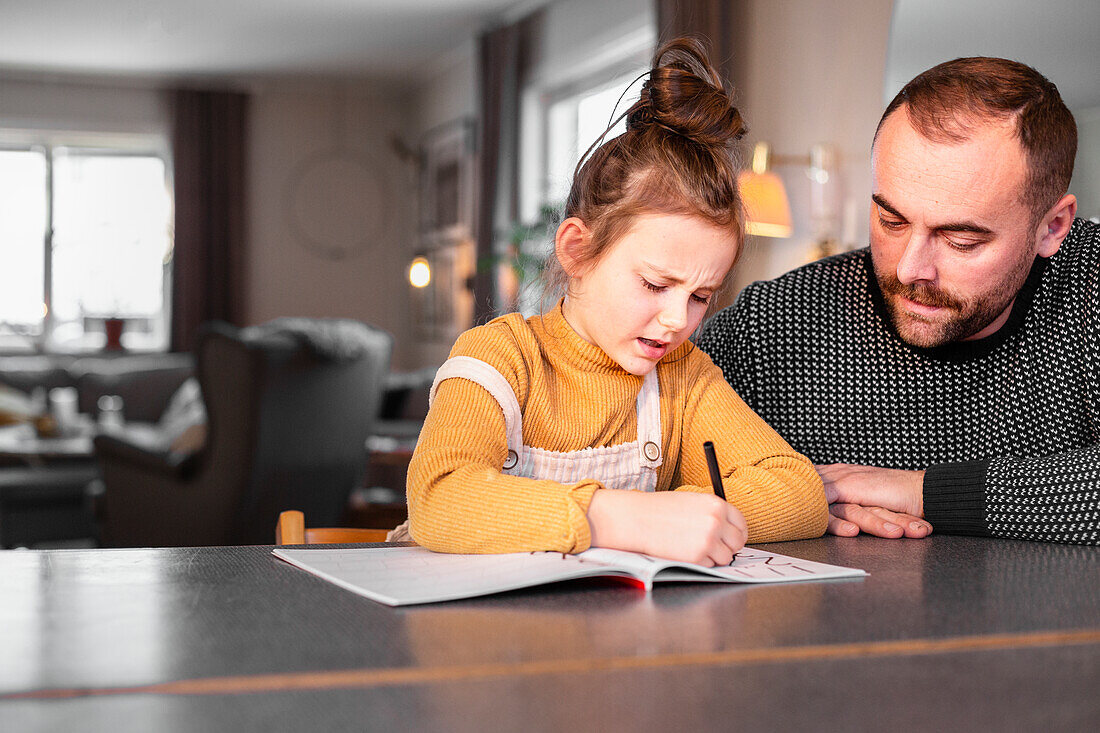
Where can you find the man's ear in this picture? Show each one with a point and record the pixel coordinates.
(1055, 225)
(570, 243)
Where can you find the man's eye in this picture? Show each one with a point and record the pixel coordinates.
(963, 245)
(891, 224)
(650, 286)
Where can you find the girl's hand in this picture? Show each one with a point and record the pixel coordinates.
(678, 525)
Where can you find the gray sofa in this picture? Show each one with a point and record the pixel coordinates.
(145, 382)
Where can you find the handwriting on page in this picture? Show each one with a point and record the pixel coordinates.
(763, 565)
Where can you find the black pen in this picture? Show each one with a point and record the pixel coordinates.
(715, 475)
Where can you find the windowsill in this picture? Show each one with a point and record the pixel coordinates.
(14, 346)
(19, 347)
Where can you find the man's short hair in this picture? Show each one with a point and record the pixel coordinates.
(946, 101)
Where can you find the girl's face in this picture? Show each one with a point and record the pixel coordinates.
(650, 290)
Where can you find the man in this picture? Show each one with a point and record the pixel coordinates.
(946, 377)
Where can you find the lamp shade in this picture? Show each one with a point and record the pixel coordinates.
(766, 206)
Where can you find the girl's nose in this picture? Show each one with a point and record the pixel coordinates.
(674, 315)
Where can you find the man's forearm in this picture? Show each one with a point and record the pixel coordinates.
(1050, 499)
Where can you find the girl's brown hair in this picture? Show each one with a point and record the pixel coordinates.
(676, 157)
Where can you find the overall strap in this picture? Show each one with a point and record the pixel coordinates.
(649, 421)
(486, 375)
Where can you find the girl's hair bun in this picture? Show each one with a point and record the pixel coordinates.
(676, 157)
(684, 95)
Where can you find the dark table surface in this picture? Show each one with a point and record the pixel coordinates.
(944, 633)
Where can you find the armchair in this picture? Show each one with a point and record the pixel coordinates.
(289, 404)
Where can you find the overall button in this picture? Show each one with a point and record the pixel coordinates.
(651, 451)
(511, 460)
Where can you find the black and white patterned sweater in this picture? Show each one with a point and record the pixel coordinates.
(1006, 426)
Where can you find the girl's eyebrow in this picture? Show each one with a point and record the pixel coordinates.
(663, 273)
(666, 275)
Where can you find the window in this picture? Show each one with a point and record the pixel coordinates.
(85, 236)
(575, 118)
(557, 129)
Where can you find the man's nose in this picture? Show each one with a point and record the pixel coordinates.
(918, 260)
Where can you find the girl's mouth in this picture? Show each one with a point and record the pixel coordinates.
(651, 348)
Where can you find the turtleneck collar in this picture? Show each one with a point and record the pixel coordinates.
(581, 354)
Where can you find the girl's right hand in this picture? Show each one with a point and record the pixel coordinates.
(678, 525)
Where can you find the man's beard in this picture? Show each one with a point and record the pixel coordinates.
(967, 316)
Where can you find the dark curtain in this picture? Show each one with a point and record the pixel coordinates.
(209, 144)
(721, 24)
(505, 55)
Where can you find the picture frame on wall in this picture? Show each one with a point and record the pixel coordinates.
(444, 308)
(447, 183)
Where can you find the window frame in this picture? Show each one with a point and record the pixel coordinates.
(630, 64)
(115, 145)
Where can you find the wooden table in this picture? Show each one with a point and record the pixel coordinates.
(42, 485)
(945, 633)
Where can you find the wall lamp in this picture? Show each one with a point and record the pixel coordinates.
(420, 272)
(767, 209)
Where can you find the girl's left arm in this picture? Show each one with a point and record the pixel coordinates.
(775, 487)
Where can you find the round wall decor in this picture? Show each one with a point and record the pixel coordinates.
(335, 204)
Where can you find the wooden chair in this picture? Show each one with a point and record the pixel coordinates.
(291, 530)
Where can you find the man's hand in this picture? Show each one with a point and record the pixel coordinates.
(886, 502)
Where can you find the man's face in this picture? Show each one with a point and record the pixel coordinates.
(951, 240)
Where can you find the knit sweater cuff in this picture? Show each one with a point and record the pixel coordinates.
(954, 497)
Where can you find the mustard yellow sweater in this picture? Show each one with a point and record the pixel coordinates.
(574, 396)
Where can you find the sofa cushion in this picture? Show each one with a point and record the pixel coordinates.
(24, 373)
(145, 382)
(183, 423)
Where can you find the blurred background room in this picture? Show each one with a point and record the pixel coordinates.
(212, 211)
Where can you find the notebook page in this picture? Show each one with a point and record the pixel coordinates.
(748, 566)
(405, 575)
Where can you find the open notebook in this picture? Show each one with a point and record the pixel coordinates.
(400, 576)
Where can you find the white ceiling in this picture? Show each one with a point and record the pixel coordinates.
(395, 38)
(235, 38)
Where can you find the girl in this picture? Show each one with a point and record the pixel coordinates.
(584, 426)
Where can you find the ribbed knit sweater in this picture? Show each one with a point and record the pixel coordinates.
(573, 396)
(1006, 426)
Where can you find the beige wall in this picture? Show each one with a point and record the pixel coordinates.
(814, 73)
(1086, 173)
(323, 170)
(57, 102)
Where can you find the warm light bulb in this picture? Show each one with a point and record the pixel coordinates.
(420, 273)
